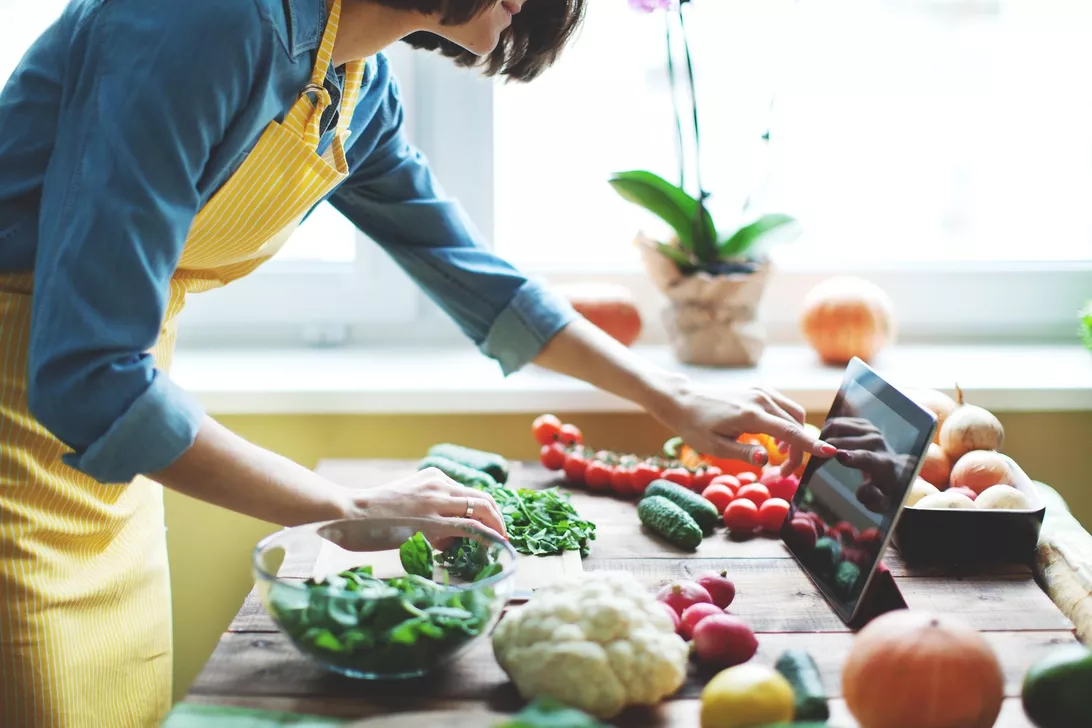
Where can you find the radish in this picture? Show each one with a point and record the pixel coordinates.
(719, 586)
(723, 640)
(693, 615)
(681, 594)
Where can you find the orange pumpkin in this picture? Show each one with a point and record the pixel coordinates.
(845, 317)
(608, 306)
(910, 669)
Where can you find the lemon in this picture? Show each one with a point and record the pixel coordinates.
(744, 696)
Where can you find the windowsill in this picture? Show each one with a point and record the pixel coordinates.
(458, 380)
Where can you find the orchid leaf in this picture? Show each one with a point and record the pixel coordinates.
(668, 202)
(746, 237)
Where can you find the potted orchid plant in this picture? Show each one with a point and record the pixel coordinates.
(713, 277)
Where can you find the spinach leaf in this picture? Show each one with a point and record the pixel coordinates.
(546, 712)
(416, 556)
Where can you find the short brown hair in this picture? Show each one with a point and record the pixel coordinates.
(528, 47)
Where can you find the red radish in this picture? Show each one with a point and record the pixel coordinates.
(681, 594)
(757, 493)
(693, 615)
(675, 621)
(719, 586)
(772, 514)
(719, 495)
(724, 640)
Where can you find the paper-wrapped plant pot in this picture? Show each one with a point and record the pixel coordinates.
(711, 320)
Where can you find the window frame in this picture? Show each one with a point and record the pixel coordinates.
(450, 118)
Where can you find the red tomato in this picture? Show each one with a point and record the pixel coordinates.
(704, 477)
(730, 481)
(678, 475)
(552, 456)
(741, 515)
(571, 435)
(597, 475)
(575, 465)
(771, 514)
(545, 429)
(719, 495)
(803, 532)
(621, 480)
(643, 474)
(756, 492)
(747, 477)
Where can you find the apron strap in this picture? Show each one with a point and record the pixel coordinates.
(354, 77)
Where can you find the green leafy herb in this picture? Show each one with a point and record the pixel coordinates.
(416, 556)
(546, 712)
(385, 626)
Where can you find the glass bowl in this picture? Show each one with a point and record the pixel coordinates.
(374, 606)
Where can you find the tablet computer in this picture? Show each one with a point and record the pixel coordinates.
(844, 511)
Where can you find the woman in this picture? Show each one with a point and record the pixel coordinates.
(149, 151)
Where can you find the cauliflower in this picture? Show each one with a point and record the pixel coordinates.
(597, 642)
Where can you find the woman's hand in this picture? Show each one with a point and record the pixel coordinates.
(712, 425)
(455, 510)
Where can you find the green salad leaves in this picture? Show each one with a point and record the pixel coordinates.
(401, 625)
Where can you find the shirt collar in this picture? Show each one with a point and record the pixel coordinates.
(307, 21)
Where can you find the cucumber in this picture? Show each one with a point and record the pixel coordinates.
(798, 667)
(670, 521)
(458, 472)
(488, 462)
(1055, 688)
(702, 511)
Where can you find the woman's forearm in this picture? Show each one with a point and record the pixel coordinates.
(224, 469)
(583, 351)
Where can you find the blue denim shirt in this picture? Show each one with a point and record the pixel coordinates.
(117, 126)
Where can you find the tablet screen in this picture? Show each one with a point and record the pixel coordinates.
(846, 506)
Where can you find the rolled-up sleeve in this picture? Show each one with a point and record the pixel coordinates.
(136, 129)
(394, 198)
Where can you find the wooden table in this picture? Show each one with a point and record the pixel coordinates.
(255, 666)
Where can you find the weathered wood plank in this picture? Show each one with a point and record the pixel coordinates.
(480, 714)
(269, 664)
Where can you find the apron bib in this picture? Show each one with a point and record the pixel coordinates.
(85, 609)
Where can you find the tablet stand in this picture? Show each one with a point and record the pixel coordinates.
(882, 596)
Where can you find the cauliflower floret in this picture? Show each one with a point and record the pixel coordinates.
(598, 642)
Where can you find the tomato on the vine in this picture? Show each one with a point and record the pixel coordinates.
(571, 435)
(680, 476)
(545, 429)
(575, 466)
(597, 475)
(643, 474)
(704, 477)
(552, 456)
(621, 480)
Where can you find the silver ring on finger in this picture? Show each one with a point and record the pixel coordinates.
(469, 509)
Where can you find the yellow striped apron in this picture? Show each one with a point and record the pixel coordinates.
(85, 619)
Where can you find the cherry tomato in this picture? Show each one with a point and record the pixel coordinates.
(719, 495)
(741, 515)
(678, 475)
(747, 477)
(571, 435)
(545, 429)
(605, 456)
(643, 474)
(802, 531)
(575, 465)
(621, 480)
(704, 477)
(597, 475)
(756, 492)
(772, 513)
(552, 456)
(729, 481)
